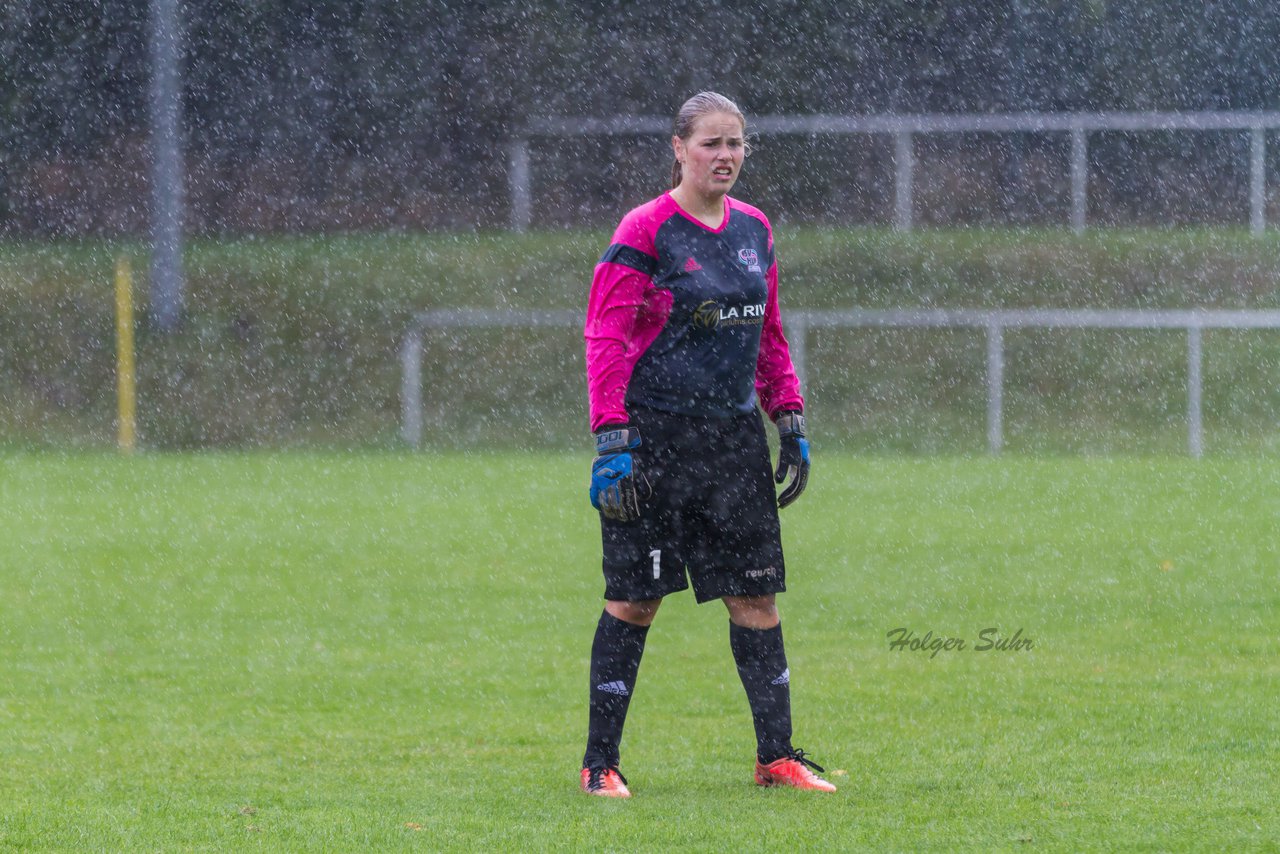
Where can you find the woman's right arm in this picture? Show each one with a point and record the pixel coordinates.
(617, 295)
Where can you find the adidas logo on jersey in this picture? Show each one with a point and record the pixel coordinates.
(784, 679)
(619, 688)
(692, 265)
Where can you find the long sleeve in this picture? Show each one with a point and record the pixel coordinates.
(777, 385)
(617, 295)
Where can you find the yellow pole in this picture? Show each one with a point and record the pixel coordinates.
(126, 392)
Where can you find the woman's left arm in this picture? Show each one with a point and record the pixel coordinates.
(777, 385)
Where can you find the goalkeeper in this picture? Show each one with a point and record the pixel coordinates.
(684, 347)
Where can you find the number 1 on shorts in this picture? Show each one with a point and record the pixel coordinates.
(656, 554)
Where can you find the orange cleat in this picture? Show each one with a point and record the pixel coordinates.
(791, 771)
(605, 782)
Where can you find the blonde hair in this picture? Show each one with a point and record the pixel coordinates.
(701, 104)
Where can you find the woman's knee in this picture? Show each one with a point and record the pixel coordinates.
(753, 612)
(640, 612)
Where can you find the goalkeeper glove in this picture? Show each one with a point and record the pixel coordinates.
(793, 456)
(613, 475)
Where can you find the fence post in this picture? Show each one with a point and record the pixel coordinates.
(1195, 425)
(521, 195)
(904, 162)
(411, 387)
(1079, 179)
(995, 388)
(168, 171)
(126, 368)
(1257, 180)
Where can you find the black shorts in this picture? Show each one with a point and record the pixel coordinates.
(712, 512)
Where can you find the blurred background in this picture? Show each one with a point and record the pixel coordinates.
(323, 115)
(344, 165)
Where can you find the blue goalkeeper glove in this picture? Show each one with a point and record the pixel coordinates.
(793, 456)
(613, 474)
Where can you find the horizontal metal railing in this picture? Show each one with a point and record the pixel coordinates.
(904, 129)
(799, 322)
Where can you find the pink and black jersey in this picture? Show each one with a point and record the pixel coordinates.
(684, 318)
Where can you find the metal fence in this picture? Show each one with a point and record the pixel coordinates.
(799, 322)
(905, 128)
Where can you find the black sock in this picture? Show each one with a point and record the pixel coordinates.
(615, 658)
(762, 666)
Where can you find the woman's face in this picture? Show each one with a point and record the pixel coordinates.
(711, 157)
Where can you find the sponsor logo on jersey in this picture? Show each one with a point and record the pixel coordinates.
(692, 265)
(710, 314)
(750, 259)
(707, 315)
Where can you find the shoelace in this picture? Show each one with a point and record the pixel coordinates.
(799, 756)
(593, 781)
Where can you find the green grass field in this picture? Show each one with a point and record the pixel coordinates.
(379, 652)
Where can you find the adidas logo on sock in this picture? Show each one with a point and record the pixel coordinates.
(692, 265)
(619, 688)
(784, 679)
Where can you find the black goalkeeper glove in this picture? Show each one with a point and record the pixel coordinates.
(613, 474)
(793, 456)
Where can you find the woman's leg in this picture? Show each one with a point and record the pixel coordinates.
(755, 636)
(615, 660)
